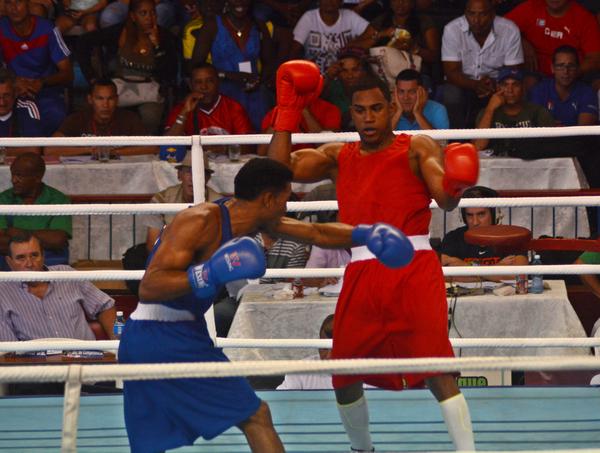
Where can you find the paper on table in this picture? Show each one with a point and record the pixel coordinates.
(484, 284)
(332, 290)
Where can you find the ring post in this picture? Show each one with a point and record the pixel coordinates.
(71, 409)
(200, 197)
(198, 170)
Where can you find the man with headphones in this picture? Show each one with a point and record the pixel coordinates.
(456, 252)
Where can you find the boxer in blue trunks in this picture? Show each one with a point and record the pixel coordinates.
(203, 248)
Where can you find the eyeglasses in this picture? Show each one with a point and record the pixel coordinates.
(565, 67)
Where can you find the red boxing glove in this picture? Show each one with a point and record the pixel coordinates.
(461, 164)
(299, 82)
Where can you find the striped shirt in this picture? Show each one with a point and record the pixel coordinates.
(283, 254)
(60, 314)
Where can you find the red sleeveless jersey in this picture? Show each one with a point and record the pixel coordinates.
(380, 187)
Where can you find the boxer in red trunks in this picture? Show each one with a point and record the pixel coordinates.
(381, 312)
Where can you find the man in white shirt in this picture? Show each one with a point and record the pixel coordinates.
(324, 31)
(474, 48)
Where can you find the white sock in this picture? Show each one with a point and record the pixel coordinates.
(458, 421)
(355, 417)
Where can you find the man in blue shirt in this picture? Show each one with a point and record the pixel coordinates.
(415, 110)
(571, 102)
(18, 117)
(33, 48)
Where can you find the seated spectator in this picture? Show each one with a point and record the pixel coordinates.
(548, 24)
(205, 111)
(284, 15)
(415, 111)
(369, 9)
(321, 192)
(324, 258)
(350, 68)
(322, 32)
(140, 56)
(179, 193)
(282, 253)
(196, 11)
(53, 231)
(33, 48)
(318, 116)
(58, 309)
(424, 39)
(18, 117)
(115, 13)
(591, 281)
(79, 12)
(241, 48)
(508, 108)
(313, 381)
(475, 47)
(101, 118)
(456, 252)
(570, 101)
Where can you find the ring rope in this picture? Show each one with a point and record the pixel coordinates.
(293, 206)
(143, 372)
(268, 343)
(454, 271)
(321, 137)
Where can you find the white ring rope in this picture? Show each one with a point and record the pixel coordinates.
(144, 372)
(293, 206)
(322, 137)
(292, 343)
(454, 271)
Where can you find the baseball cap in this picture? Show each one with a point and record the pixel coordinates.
(187, 162)
(510, 73)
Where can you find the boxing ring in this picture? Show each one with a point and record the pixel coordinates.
(504, 419)
(307, 421)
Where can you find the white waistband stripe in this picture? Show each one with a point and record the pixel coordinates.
(159, 312)
(362, 253)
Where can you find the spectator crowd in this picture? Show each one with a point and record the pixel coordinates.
(178, 67)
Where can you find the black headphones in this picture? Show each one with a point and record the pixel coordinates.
(479, 192)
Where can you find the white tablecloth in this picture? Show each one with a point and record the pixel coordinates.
(533, 315)
(225, 171)
(129, 175)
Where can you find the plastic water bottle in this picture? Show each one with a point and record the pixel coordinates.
(118, 326)
(537, 280)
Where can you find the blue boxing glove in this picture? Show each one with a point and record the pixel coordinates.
(235, 260)
(386, 242)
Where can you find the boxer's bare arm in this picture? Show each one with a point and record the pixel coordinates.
(427, 162)
(192, 234)
(308, 165)
(325, 235)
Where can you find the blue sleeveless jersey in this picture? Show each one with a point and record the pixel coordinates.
(165, 414)
(190, 302)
